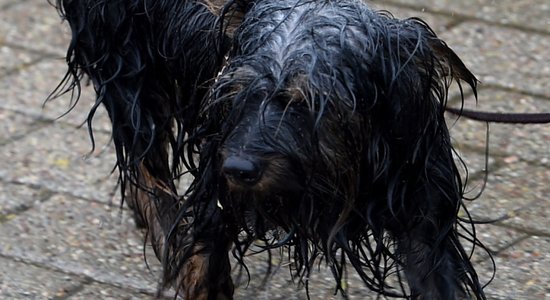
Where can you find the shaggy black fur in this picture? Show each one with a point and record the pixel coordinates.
(312, 126)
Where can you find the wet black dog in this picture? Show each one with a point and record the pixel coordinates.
(313, 126)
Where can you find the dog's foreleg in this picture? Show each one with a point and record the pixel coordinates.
(432, 269)
(205, 271)
(435, 263)
(206, 275)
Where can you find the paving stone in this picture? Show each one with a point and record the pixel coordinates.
(511, 141)
(13, 125)
(5, 4)
(34, 25)
(497, 100)
(506, 142)
(12, 59)
(519, 13)
(530, 218)
(493, 237)
(15, 198)
(23, 281)
(522, 271)
(437, 23)
(281, 285)
(58, 157)
(503, 56)
(471, 165)
(107, 292)
(513, 190)
(83, 238)
(29, 96)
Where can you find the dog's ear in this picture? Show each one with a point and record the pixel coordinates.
(424, 185)
(452, 65)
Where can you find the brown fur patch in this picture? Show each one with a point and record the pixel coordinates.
(193, 277)
(297, 88)
(232, 14)
(140, 199)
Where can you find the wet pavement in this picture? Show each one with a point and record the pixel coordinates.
(64, 236)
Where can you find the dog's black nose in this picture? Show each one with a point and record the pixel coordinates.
(242, 170)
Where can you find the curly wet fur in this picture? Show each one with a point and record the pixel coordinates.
(149, 62)
(341, 106)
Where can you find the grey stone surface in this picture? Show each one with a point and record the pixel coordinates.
(496, 239)
(281, 285)
(15, 198)
(505, 139)
(13, 125)
(12, 59)
(505, 57)
(502, 199)
(471, 164)
(5, 4)
(63, 235)
(437, 23)
(107, 292)
(527, 14)
(19, 93)
(62, 162)
(34, 25)
(24, 281)
(84, 238)
(522, 271)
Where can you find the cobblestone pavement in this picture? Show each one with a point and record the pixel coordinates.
(64, 236)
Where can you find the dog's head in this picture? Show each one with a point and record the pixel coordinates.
(328, 121)
(316, 94)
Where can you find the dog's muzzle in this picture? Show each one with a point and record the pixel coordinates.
(243, 171)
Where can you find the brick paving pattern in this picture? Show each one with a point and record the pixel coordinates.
(64, 236)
